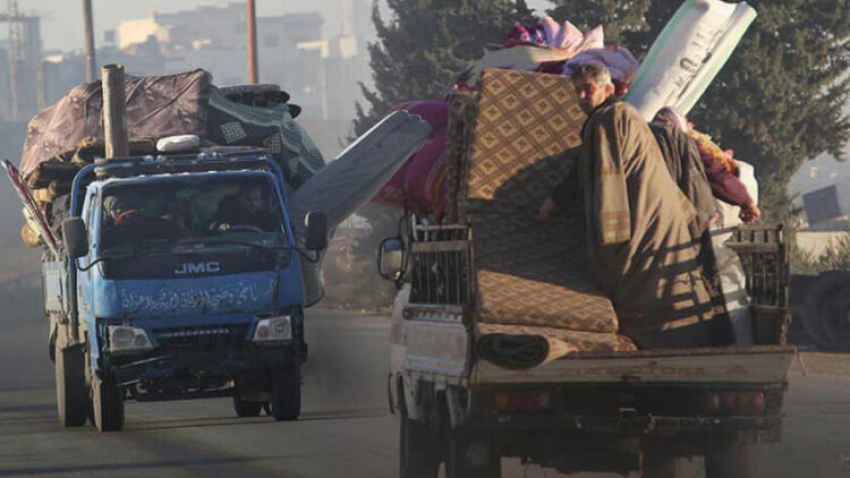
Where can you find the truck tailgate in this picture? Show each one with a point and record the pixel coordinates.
(750, 364)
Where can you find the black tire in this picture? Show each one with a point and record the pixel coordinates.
(660, 467)
(286, 393)
(658, 463)
(826, 315)
(107, 405)
(245, 409)
(457, 447)
(729, 460)
(72, 401)
(418, 457)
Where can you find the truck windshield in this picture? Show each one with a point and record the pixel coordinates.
(169, 213)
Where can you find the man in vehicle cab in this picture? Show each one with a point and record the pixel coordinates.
(246, 210)
(125, 223)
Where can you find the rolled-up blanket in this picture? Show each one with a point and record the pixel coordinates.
(520, 347)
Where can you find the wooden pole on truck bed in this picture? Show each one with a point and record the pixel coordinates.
(89, 46)
(114, 112)
(253, 66)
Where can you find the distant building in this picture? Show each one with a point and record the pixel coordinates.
(214, 38)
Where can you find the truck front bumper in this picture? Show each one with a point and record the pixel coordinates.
(201, 364)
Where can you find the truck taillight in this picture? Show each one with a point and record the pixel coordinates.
(736, 402)
(524, 401)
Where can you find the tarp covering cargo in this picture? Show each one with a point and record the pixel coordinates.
(156, 106)
(159, 106)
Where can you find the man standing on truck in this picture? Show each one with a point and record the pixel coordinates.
(639, 244)
(724, 184)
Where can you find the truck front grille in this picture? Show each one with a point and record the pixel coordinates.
(219, 337)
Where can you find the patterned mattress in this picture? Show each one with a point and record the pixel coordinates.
(509, 145)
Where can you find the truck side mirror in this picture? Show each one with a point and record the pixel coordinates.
(391, 259)
(317, 231)
(75, 237)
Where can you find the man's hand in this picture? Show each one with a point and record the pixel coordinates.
(545, 210)
(750, 214)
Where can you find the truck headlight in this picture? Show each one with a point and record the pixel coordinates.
(124, 339)
(274, 329)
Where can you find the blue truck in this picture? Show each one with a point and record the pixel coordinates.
(176, 277)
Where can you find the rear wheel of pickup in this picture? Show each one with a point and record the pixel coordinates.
(418, 457)
(286, 393)
(72, 401)
(659, 463)
(470, 454)
(729, 459)
(107, 404)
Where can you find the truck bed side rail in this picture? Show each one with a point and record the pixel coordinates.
(441, 265)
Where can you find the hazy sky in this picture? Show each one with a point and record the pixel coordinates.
(62, 26)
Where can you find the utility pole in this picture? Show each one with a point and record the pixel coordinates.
(14, 59)
(114, 112)
(89, 46)
(253, 66)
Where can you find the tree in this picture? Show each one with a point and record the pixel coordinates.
(778, 101)
(426, 44)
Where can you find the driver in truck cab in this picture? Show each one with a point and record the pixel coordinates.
(246, 208)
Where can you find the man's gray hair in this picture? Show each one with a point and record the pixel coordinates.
(593, 71)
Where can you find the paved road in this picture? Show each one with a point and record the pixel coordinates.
(345, 430)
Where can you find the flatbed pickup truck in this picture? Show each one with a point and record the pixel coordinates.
(586, 411)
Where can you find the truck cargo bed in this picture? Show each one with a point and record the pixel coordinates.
(750, 365)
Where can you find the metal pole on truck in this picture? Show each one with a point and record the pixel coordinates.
(253, 66)
(114, 112)
(89, 46)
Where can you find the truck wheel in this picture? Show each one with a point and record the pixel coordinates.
(729, 460)
(418, 457)
(246, 409)
(107, 405)
(470, 455)
(658, 463)
(826, 315)
(286, 393)
(71, 396)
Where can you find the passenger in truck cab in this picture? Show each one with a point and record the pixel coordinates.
(245, 209)
(124, 223)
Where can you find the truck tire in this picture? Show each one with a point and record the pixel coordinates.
(245, 409)
(729, 460)
(107, 405)
(418, 457)
(659, 463)
(826, 315)
(286, 393)
(461, 448)
(72, 401)
(661, 467)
